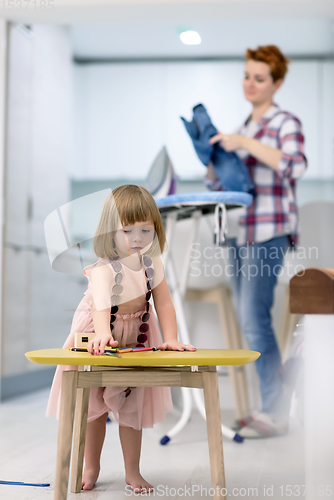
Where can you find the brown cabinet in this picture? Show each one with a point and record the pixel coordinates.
(312, 292)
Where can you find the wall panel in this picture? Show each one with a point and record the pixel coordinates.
(38, 303)
(124, 113)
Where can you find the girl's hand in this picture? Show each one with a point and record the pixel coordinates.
(175, 345)
(230, 142)
(99, 342)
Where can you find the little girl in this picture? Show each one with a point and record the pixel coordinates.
(128, 242)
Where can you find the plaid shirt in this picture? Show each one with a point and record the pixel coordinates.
(274, 209)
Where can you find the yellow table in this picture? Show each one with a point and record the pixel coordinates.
(142, 369)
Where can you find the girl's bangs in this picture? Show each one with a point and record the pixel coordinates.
(134, 212)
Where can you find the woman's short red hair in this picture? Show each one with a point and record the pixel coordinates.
(271, 55)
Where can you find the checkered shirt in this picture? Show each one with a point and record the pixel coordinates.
(274, 209)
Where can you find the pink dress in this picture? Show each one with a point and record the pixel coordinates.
(144, 406)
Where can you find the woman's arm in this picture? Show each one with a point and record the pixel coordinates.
(289, 160)
(167, 319)
(265, 154)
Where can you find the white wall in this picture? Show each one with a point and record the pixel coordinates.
(36, 300)
(3, 64)
(124, 113)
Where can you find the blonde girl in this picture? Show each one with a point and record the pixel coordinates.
(129, 241)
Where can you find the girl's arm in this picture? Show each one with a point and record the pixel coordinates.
(101, 279)
(167, 319)
(103, 336)
(265, 154)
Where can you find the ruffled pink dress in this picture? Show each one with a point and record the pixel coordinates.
(144, 406)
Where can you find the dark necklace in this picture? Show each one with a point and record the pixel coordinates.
(117, 290)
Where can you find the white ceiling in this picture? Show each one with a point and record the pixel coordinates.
(107, 11)
(219, 38)
(149, 28)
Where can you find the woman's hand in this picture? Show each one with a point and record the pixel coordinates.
(265, 154)
(99, 342)
(175, 345)
(230, 142)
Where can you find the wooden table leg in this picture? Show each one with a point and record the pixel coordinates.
(65, 432)
(79, 438)
(214, 430)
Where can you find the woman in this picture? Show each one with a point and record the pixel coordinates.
(270, 143)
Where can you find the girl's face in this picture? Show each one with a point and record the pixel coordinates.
(136, 238)
(258, 83)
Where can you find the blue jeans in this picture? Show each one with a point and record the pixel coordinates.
(253, 270)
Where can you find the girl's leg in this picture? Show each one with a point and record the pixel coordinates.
(131, 447)
(95, 434)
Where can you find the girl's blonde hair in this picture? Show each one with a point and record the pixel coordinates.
(126, 205)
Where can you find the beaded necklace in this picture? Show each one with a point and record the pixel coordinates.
(117, 289)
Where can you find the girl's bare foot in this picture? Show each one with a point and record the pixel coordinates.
(89, 478)
(138, 483)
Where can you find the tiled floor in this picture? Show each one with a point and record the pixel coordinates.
(180, 469)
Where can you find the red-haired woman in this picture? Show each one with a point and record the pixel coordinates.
(270, 143)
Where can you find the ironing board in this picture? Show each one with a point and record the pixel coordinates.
(177, 207)
(144, 369)
(207, 200)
